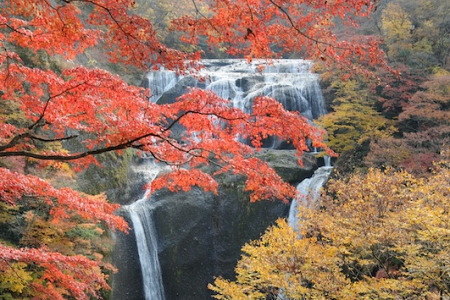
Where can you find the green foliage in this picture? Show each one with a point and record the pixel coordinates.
(7, 212)
(162, 12)
(11, 112)
(110, 176)
(397, 26)
(84, 232)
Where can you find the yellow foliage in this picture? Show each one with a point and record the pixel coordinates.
(397, 29)
(15, 278)
(353, 119)
(382, 235)
(280, 262)
(396, 24)
(7, 212)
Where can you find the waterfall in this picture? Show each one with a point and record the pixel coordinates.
(327, 161)
(160, 81)
(141, 218)
(309, 190)
(292, 83)
(140, 215)
(289, 81)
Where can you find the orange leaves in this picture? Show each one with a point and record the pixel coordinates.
(183, 180)
(64, 202)
(63, 275)
(262, 181)
(61, 29)
(212, 129)
(271, 119)
(49, 27)
(271, 28)
(54, 274)
(6, 131)
(92, 101)
(120, 116)
(131, 39)
(45, 105)
(95, 208)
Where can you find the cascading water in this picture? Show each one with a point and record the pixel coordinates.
(161, 81)
(141, 218)
(140, 215)
(309, 190)
(288, 81)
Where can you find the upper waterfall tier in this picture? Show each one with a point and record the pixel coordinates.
(289, 81)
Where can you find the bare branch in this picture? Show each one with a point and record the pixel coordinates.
(199, 113)
(14, 141)
(127, 144)
(46, 140)
(60, 157)
(288, 16)
(204, 17)
(41, 117)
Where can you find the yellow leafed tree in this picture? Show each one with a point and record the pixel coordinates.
(397, 29)
(380, 235)
(353, 119)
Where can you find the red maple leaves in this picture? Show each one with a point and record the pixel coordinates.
(63, 276)
(273, 28)
(15, 186)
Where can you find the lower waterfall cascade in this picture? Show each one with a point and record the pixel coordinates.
(142, 223)
(140, 216)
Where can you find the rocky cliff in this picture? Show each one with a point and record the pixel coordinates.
(200, 234)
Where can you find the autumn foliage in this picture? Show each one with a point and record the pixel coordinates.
(380, 235)
(272, 28)
(49, 103)
(383, 232)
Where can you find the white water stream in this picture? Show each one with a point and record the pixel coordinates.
(309, 190)
(140, 213)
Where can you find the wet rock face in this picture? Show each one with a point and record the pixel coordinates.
(127, 282)
(200, 234)
(285, 163)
